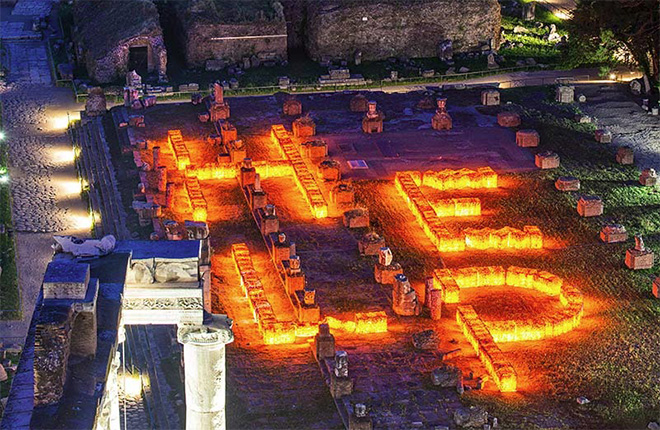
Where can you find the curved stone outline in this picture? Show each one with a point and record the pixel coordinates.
(485, 336)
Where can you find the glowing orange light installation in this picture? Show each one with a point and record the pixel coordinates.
(364, 323)
(272, 330)
(304, 179)
(457, 207)
(426, 216)
(483, 335)
(197, 200)
(181, 153)
(483, 177)
(265, 169)
(530, 237)
(487, 350)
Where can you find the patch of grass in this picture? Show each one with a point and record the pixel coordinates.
(10, 297)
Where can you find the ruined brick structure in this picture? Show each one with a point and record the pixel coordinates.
(232, 31)
(337, 29)
(111, 38)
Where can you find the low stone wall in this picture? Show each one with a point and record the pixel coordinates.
(336, 29)
(203, 41)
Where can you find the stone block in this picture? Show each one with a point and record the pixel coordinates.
(527, 138)
(385, 274)
(294, 282)
(359, 423)
(508, 119)
(324, 343)
(292, 107)
(434, 302)
(655, 288)
(426, 340)
(639, 260)
(567, 183)
(603, 136)
(269, 225)
(247, 176)
(340, 386)
(472, 416)
(546, 160)
(648, 178)
(66, 280)
(565, 94)
(441, 121)
(446, 376)
(588, 206)
(625, 155)
(304, 127)
(613, 233)
(370, 244)
(330, 170)
(315, 149)
(356, 218)
(258, 199)
(490, 98)
(306, 313)
(359, 103)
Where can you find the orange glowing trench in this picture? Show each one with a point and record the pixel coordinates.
(428, 216)
(181, 153)
(484, 336)
(303, 177)
(283, 332)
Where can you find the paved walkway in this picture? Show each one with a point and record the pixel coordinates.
(44, 185)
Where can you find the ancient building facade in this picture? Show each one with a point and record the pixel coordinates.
(112, 38)
(211, 31)
(337, 29)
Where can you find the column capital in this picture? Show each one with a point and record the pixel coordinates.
(218, 332)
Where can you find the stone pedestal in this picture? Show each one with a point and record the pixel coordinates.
(359, 423)
(204, 364)
(590, 206)
(565, 94)
(385, 274)
(613, 233)
(258, 199)
(340, 386)
(373, 119)
(625, 155)
(638, 260)
(655, 288)
(96, 104)
(508, 119)
(359, 103)
(370, 244)
(304, 127)
(330, 170)
(356, 218)
(434, 301)
(294, 281)
(490, 98)
(567, 183)
(404, 297)
(228, 132)
(324, 343)
(648, 178)
(441, 121)
(527, 138)
(314, 149)
(603, 136)
(546, 160)
(247, 174)
(292, 107)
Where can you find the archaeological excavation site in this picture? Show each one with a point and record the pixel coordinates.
(332, 214)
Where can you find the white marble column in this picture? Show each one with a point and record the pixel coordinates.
(204, 363)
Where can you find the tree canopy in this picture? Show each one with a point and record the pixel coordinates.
(634, 24)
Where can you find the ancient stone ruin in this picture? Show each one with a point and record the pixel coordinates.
(527, 138)
(639, 257)
(546, 160)
(588, 206)
(567, 183)
(107, 43)
(508, 119)
(441, 120)
(490, 98)
(373, 119)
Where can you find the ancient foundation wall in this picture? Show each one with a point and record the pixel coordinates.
(390, 28)
(205, 41)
